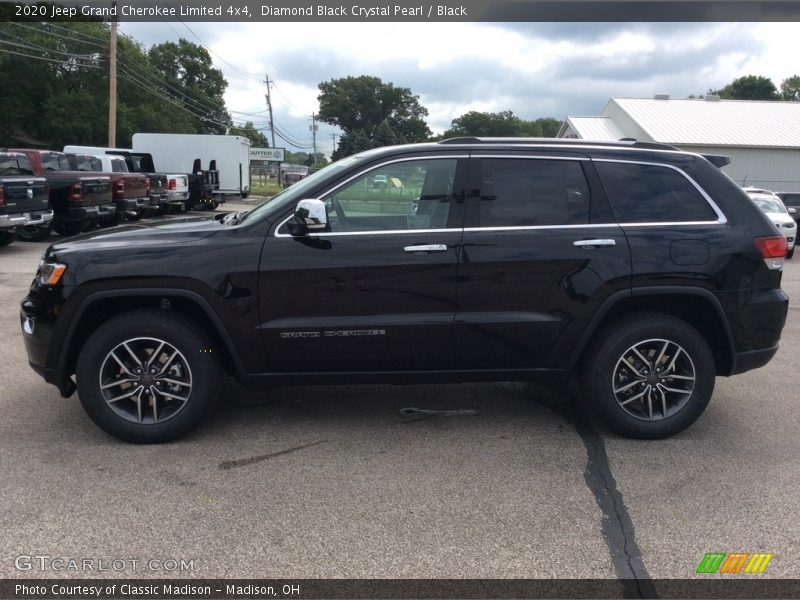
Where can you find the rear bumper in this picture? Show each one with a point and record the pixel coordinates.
(38, 217)
(754, 359)
(86, 213)
(177, 197)
(133, 204)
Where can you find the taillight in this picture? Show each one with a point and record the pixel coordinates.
(773, 250)
(76, 192)
(147, 185)
(2, 197)
(173, 184)
(119, 189)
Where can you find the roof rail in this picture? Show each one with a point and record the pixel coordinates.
(718, 160)
(565, 141)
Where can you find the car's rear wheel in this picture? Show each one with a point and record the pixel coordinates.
(69, 228)
(148, 376)
(790, 253)
(650, 375)
(7, 237)
(34, 233)
(113, 220)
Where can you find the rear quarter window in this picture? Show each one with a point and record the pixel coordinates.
(645, 193)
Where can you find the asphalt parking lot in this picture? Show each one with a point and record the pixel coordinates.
(315, 482)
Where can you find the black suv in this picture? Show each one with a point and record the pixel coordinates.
(640, 269)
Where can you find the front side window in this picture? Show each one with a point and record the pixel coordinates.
(641, 193)
(533, 192)
(404, 195)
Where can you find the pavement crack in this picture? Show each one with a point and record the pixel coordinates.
(617, 527)
(243, 462)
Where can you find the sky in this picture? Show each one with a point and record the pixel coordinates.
(533, 69)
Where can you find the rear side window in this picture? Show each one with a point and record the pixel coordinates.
(529, 192)
(118, 166)
(25, 166)
(8, 165)
(640, 193)
(55, 161)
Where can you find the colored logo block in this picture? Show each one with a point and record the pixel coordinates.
(735, 562)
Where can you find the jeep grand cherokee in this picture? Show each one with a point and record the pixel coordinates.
(640, 269)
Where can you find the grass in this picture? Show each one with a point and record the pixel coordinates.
(270, 188)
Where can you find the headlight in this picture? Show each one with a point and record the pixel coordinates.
(50, 273)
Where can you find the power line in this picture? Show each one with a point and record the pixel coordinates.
(52, 60)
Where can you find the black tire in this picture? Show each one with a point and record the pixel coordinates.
(69, 228)
(34, 233)
(7, 237)
(791, 253)
(197, 363)
(604, 372)
(134, 216)
(113, 220)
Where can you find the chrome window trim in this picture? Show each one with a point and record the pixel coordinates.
(721, 218)
(356, 176)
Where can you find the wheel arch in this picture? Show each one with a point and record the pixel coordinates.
(98, 307)
(697, 306)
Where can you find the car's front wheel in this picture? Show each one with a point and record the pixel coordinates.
(650, 375)
(148, 376)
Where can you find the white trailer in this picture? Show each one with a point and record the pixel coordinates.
(178, 151)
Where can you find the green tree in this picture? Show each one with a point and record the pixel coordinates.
(55, 88)
(368, 110)
(187, 71)
(249, 131)
(790, 88)
(501, 124)
(749, 87)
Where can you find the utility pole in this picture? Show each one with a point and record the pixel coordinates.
(112, 84)
(269, 107)
(334, 136)
(313, 127)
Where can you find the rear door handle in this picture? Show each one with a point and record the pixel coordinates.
(599, 243)
(427, 248)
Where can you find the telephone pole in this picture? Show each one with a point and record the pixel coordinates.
(313, 127)
(112, 84)
(269, 107)
(334, 136)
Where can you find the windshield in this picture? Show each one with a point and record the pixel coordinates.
(769, 204)
(298, 191)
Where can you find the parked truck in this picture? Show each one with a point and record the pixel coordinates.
(23, 197)
(129, 190)
(168, 190)
(78, 200)
(178, 151)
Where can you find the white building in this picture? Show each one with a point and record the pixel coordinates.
(761, 138)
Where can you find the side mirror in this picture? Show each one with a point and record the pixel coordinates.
(310, 215)
(792, 211)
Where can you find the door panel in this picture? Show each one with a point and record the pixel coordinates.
(534, 266)
(376, 292)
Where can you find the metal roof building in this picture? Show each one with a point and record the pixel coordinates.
(762, 138)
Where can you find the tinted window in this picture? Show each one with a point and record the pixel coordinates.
(652, 194)
(519, 192)
(55, 161)
(118, 166)
(83, 162)
(25, 166)
(8, 165)
(403, 195)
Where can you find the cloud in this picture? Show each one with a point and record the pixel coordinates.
(534, 69)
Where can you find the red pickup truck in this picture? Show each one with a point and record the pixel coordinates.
(131, 191)
(78, 200)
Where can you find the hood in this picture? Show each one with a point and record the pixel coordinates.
(177, 231)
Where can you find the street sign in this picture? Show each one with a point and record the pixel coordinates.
(267, 154)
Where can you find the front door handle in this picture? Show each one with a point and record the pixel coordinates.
(426, 248)
(599, 243)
